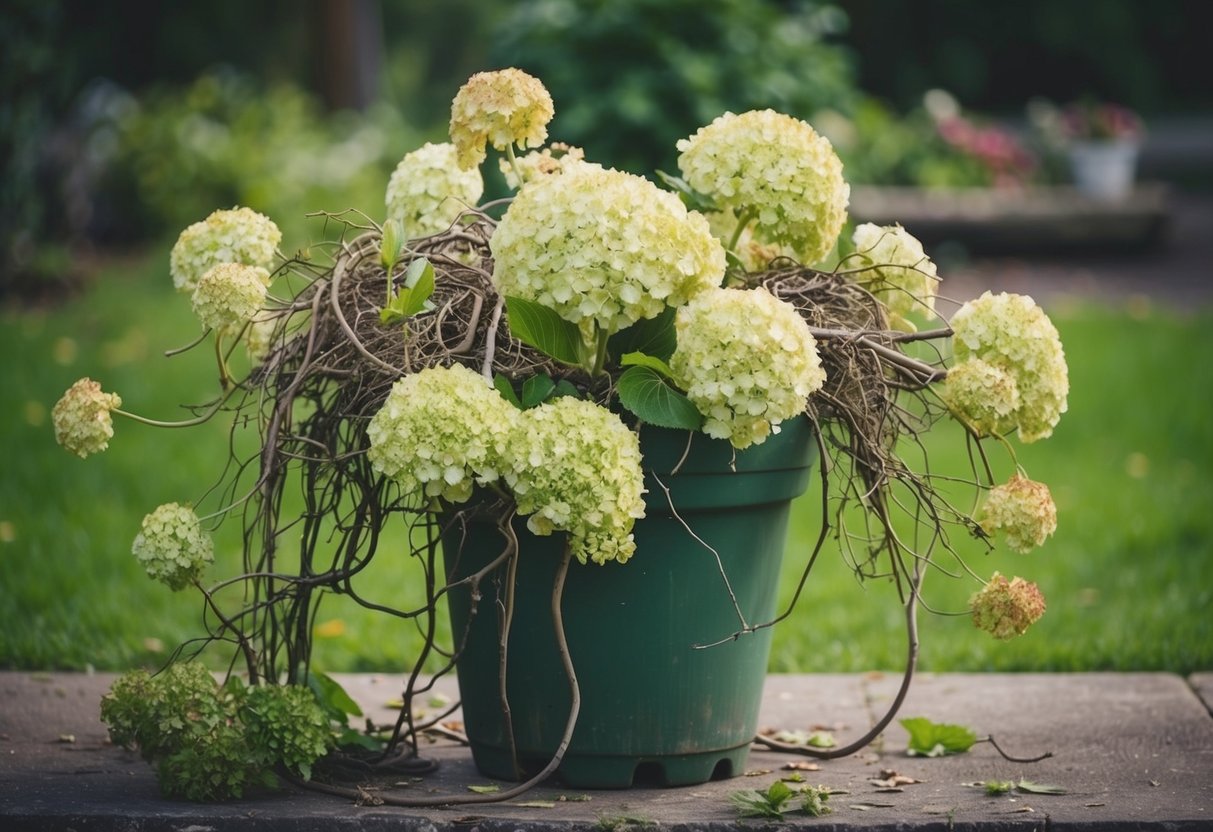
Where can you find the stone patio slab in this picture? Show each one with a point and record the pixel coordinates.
(1132, 751)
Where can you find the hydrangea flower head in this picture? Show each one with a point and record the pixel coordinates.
(172, 546)
(441, 431)
(503, 108)
(428, 190)
(896, 271)
(574, 466)
(1006, 609)
(229, 295)
(1024, 510)
(747, 361)
(984, 394)
(239, 235)
(1012, 333)
(603, 247)
(776, 166)
(82, 420)
(553, 159)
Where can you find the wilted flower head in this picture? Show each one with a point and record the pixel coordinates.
(1006, 609)
(603, 247)
(1024, 510)
(259, 338)
(239, 235)
(1012, 333)
(428, 190)
(984, 394)
(747, 361)
(502, 108)
(575, 467)
(230, 294)
(82, 420)
(172, 546)
(441, 431)
(553, 159)
(898, 272)
(776, 166)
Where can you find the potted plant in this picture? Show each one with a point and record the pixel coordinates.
(588, 407)
(1102, 142)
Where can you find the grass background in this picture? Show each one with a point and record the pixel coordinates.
(1128, 576)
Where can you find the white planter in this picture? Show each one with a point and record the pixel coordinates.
(1104, 169)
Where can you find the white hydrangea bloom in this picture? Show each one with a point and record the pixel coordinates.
(82, 420)
(603, 247)
(239, 235)
(503, 108)
(428, 190)
(898, 272)
(1012, 333)
(1006, 609)
(984, 395)
(553, 159)
(777, 166)
(1023, 510)
(441, 431)
(747, 361)
(172, 546)
(229, 295)
(574, 466)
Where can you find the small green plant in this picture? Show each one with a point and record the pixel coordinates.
(778, 799)
(210, 741)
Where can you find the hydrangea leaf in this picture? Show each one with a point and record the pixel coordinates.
(414, 295)
(754, 803)
(503, 386)
(1038, 788)
(331, 696)
(639, 359)
(651, 336)
(536, 390)
(540, 327)
(650, 397)
(690, 197)
(935, 739)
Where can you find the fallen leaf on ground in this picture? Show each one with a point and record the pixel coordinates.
(757, 772)
(798, 766)
(893, 780)
(536, 804)
(1038, 788)
(491, 788)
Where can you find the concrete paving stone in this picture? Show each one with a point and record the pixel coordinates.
(1133, 751)
(1202, 683)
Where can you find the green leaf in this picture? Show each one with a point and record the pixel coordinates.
(540, 327)
(391, 243)
(692, 198)
(997, 787)
(814, 799)
(935, 739)
(413, 296)
(651, 398)
(651, 336)
(536, 804)
(491, 788)
(536, 390)
(565, 388)
(1038, 788)
(331, 696)
(639, 359)
(754, 803)
(506, 390)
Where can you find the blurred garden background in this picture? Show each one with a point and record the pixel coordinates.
(123, 122)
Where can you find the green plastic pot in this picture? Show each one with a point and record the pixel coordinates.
(653, 706)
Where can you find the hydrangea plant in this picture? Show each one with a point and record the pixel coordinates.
(519, 351)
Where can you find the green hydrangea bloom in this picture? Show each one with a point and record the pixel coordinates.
(1012, 333)
(603, 248)
(82, 420)
(503, 108)
(898, 272)
(428, 190)
(747, 361)
(985, 395)
(1023, 510)
(1006, 609)
(229, 295)
(776, 166)
(441, 431)
(172, 546)
(239, 235)
(574, 466)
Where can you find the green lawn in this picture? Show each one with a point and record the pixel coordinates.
(1128, 576)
